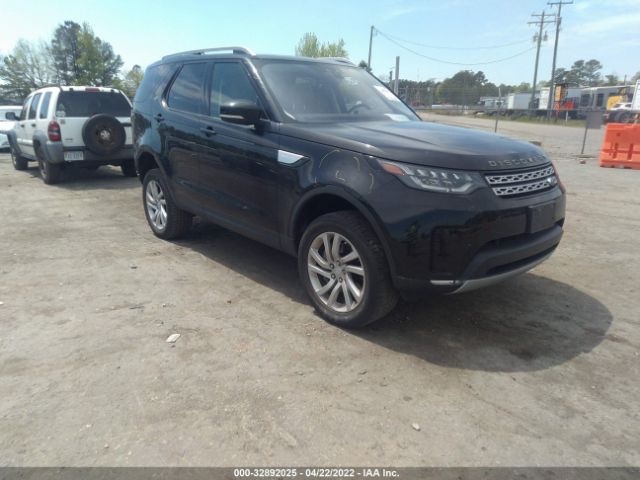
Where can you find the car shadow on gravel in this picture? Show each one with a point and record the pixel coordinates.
(259, 262)
(526, 324)
(104, 178)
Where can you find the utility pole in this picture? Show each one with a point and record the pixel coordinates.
(396, 83)
(552, 86)
(541, 24)
(370, 45)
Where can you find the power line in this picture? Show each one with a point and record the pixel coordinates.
(439, 60)
(443, 47)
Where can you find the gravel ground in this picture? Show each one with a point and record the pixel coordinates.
(543, 370)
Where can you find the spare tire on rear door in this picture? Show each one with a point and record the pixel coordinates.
(103, 134)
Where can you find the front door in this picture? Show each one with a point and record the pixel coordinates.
(238, 169)
(24, 140)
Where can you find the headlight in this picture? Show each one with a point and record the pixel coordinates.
(434, 179)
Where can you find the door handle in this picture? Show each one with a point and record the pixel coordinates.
(159, 117)
(33, 124)
(22, 125)
(208, 131)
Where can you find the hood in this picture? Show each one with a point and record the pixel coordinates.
(423, 143)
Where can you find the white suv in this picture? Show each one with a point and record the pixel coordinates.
(63, 126)
(6, 123)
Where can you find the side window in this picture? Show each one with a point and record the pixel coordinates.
(186, 91)
(44, 108)
(25, 108)
(600, 100)
(34, 106)
(229, 83)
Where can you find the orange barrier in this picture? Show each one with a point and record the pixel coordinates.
(621, 146)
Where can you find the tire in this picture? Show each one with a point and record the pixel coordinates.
(50, 173)
(19, 162)
(175, 222)
(623, 116)
(354, 236)
(103, 134)
(128, 168)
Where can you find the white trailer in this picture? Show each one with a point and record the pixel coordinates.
(518, 101)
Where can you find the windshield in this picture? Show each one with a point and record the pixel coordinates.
(87, 104)
(323, 92)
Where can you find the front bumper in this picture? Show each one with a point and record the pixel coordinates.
(453, 243)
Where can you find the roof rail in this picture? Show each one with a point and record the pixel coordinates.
(234, 50)
(341, 60)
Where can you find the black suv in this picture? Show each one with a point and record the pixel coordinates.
(319, 159)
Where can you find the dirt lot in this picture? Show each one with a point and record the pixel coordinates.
(543, 370)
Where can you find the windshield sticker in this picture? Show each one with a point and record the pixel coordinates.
(386, 93)
(397, 117)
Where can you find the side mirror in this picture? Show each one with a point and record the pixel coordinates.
(241, 113)
(11, 116)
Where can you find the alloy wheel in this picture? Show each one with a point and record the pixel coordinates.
(336, 272)
(156, 205)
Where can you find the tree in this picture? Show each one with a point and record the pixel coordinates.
(465, 88)
(81, 58)
(592, 72)
(611, 80)
(27, 68)
(310, 46)
(636, 77)
(364, 65)
(132, 80)
(65, 52)
(524, 87)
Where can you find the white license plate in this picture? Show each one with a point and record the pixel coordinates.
(73, 156)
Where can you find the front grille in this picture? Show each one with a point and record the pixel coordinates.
(521, 183)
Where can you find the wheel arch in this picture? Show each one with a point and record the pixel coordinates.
(323, 200)
(146, 160)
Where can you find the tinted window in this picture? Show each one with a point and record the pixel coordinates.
(599, 99)
(44, 108)
(154, 78)
(34, 105)
(186, 91)
(230, 83)
(87, 104)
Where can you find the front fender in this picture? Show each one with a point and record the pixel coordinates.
(347, 175)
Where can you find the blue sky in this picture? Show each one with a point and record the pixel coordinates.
(141, 31)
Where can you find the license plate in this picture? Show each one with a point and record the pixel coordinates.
(542, 216)
(73, 156)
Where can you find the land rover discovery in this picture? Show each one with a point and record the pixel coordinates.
(319, 159)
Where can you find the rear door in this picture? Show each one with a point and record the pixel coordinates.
(239, 166)
(75, 107)
(179, 125)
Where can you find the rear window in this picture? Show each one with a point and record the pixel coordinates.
(154, 78)
(34, 106)
(186, 91)
(87, 104)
